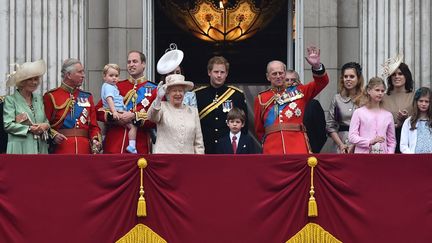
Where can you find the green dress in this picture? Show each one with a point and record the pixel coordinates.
(20, 140)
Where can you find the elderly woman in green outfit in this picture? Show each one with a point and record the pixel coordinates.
(23, 114)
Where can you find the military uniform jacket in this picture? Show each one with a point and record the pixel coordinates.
(137, 96)
(69, 108)
(279, 116)
(213, 106)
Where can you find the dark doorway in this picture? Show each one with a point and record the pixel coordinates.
(248, 58)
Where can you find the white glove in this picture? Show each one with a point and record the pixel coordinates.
(161, 90)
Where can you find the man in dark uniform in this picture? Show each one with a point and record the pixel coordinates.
(215, 101)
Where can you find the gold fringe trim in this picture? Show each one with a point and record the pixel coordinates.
(142, 208)
(312, 233)
(141, 234)
(312, 205)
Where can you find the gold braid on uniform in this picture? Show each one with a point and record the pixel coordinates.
(67, 105)
(204, 112)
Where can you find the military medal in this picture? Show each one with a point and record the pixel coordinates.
(292, 105)
(145, 102)
(148, 91)
(288, 113)
(83, 120)
(227, 106)
(83, 102)
(298, 112)
(291, 94)
(279, 99)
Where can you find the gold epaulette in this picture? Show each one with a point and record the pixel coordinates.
(200, 88)
(2, 99)
(233, 87)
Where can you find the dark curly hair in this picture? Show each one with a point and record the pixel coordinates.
(409, 83)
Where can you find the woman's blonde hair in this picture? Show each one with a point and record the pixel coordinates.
(373, 82)
(111, 65)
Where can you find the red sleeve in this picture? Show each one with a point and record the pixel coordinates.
(313, 88)
(48, 106)
(259, 124)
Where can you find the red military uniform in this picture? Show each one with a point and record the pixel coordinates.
(279, 116)
(137, 96)
(72, 112)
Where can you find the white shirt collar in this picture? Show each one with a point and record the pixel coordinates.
(237, 135)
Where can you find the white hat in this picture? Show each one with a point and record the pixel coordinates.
(391, 65)
(26, 71)
(170, 60)
(178, 79)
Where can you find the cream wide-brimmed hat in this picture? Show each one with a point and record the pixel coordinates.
(26, 71)
(390, 66)
(178, 79)
(170, 60)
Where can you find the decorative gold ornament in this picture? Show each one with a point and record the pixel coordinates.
(312, 206)
(141, 234)
(227, 21)
(313, 233)
(141, 209)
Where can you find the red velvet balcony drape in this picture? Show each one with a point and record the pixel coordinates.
(215, 198)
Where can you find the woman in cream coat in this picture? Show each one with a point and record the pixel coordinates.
(178, 125)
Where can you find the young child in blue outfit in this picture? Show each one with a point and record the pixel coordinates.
(112, 100)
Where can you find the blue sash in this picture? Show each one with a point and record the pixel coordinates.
(273, 114)
(141, 94)
(69, 121)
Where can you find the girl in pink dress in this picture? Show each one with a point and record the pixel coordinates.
(372, 128)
